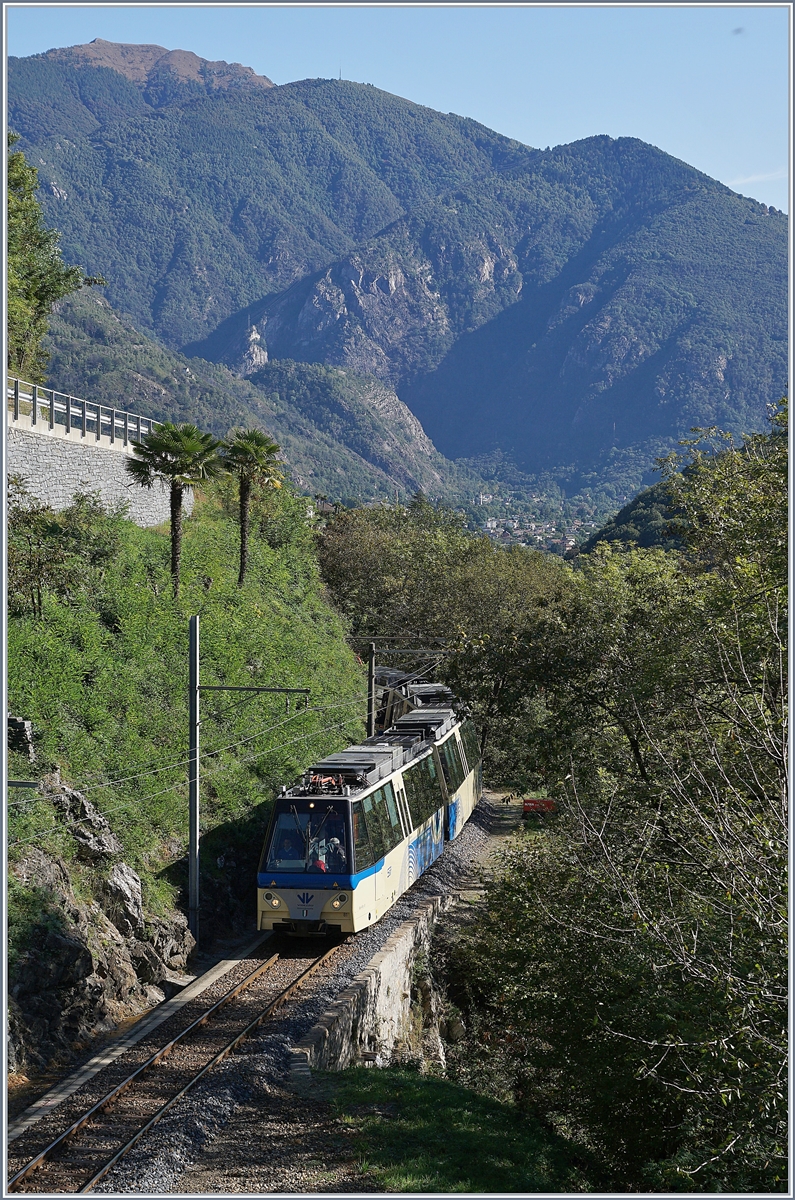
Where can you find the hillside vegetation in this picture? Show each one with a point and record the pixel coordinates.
(344, 435)
(626, 981)
(573, 310)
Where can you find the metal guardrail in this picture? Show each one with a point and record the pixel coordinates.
(50, 409)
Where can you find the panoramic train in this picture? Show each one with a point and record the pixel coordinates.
(359, 827)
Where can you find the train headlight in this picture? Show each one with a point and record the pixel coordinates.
(274, 901)
(338, 901)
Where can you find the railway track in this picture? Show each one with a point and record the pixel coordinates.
(100, 1134)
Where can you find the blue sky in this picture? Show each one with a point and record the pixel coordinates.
(708, 84)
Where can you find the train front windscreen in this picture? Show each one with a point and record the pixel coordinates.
(309, 836)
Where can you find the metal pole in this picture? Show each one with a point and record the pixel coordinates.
(371, 691)
(193, 780)
(34, 412)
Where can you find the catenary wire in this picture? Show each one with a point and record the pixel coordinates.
(355, 699)
(222, 767)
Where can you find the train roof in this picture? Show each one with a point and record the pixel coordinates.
(362, 765)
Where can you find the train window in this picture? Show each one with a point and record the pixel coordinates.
(423, 788)
(373, 827)
(363, 853)
(451, 764)
(308, 838)
(385, 813)
(381, 815)
(469, 736)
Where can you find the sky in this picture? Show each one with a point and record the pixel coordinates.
(706, 83)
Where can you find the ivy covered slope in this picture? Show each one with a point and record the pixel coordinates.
(98, 662)
(344, 435)
(575, 308)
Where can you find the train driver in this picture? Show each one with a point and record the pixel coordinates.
(290, 848)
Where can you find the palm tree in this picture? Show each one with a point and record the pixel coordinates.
(182, 456)
(252, 456)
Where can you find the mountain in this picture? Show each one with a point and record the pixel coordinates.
(200, 204)
(566, 313)
(343, 435)
(660, 307)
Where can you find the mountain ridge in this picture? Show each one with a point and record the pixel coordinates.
(141, 62)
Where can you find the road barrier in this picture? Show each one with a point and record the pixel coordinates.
(38, 409)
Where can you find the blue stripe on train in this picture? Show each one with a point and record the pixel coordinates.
(319, 880)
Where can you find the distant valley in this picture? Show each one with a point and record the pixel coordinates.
(554, 319)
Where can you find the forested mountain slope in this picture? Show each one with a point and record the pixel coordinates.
(563, 308)
(343, 434)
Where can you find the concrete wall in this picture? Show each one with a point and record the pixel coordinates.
(372, 1016)
(55, 468)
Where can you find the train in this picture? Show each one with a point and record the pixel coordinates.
(359, 827)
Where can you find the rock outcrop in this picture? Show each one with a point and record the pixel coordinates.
(86, 965)
(94, 836)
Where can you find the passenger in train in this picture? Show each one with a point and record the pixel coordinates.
(335, 857)
(316, 863)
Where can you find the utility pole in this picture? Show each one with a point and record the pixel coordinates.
(371, 691)
(194, 722)
(193, 779)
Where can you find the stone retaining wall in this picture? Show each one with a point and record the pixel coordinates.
(54, 470)
(371, 1016)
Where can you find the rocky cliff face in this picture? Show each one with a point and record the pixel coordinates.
(86, 964)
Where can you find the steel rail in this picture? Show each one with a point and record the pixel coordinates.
(222, 1054)
(157, 1057)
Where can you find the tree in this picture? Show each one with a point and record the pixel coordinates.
(182, 456)
(253, 457)
(417, 572)
(37, 275)
(36, 563)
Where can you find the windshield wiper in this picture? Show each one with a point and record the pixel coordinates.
(329, 810)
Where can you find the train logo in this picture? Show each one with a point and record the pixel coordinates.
(306, 897)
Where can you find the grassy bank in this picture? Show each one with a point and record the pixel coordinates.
(423, 1134)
